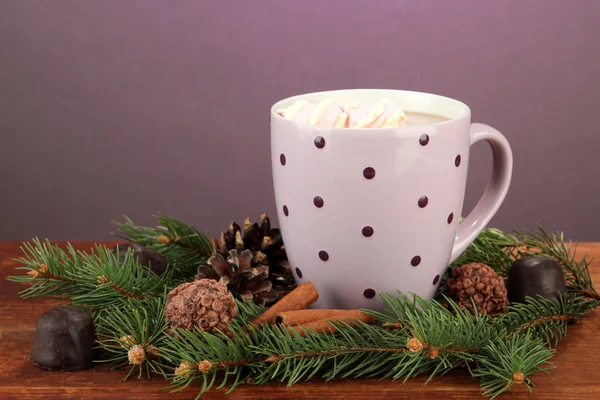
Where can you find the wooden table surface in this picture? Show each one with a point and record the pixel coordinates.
(577, 375)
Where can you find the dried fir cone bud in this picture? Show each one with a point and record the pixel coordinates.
(184, 370)
(127, 341)
(518, 377)
(414, 345)
(152, 350)
(34, 273)
(136, 355)
(163, 239)
(205, 366)
(204, 303)
(40, 272)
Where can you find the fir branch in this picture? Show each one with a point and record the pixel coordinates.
(182, 245)
(432, 323)
(201, 355)
(434, 339)
(95, 280)
(491, 247)
(414, 336)
(247, 311)
(134, 334)
(52, 271)
(542, 243)
(544, 318)
(499, 250)
(506, 362)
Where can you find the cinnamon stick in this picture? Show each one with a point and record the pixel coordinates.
(323, 326)
(298, 299)
(301, 317)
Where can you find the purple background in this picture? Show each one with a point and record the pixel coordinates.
(133, 107)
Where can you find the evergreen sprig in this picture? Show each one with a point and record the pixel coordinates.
(553, 245)
(95, 280)
(430, 339)
(134, 334)
(142, 323)
(499, 250)
(508, 361)
(184, 246)
(544, 318)
(413, 336)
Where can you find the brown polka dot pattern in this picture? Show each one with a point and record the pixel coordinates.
(368, 231)
(318, 201)
(369, 173)
(323, 255)
(320, 142)
(416, 260)
(369, 293)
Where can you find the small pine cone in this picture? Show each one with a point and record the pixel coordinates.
(479, 283)
(204, 303)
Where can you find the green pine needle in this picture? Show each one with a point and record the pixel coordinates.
(95, 280)
(412, 337)
(507, 362)
(185, 249)
(134, 323)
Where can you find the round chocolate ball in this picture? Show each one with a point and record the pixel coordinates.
(533, 276)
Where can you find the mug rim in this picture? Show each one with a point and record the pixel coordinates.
(466, 113)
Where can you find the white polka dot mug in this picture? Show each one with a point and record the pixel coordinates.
(373, 210)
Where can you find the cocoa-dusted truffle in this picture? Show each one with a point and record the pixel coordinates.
(204, 303)
(64, 340)
(145, 256)
(479, 283)
(533, 276)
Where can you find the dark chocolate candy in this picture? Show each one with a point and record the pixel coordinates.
(64, 340)
(145, 256)
(532, 276)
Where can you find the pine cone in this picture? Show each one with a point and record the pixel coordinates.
(479, 283)
(203, 303)
(244, 281)
(266, 245)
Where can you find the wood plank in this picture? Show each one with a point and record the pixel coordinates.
(576, 375)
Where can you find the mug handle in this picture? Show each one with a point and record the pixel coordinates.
(494, 193)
